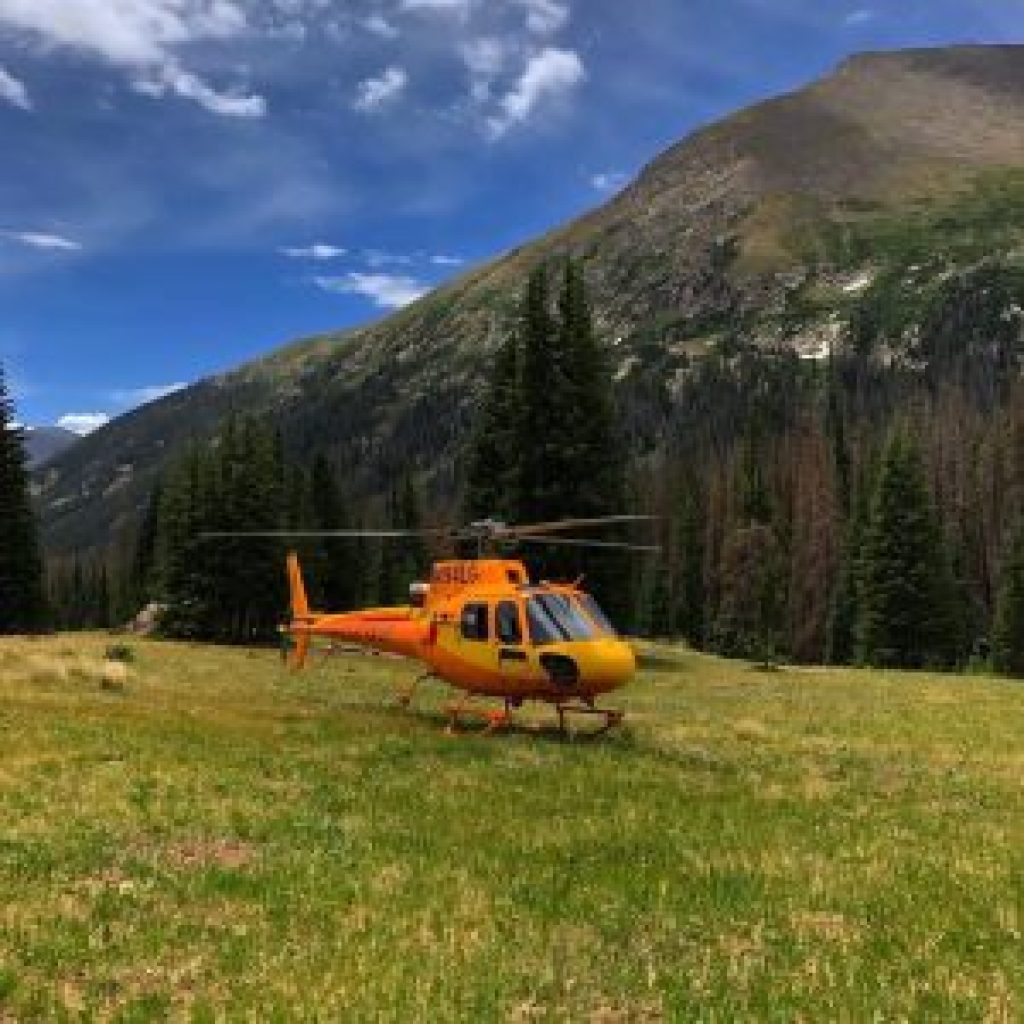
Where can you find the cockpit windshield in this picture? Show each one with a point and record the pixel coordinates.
(596, 615)
(553, 619)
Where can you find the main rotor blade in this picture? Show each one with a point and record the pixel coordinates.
(533, 529)
(572, 542)
(312, 534)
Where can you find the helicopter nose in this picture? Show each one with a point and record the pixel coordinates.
(610, 664)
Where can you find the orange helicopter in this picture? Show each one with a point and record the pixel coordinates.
(483, 627)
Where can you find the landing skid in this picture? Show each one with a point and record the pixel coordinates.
(493, 718)
(496, 719)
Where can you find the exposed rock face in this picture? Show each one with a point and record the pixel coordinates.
(738, 224)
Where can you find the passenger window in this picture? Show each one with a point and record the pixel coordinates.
(474, 622)
(506, 621)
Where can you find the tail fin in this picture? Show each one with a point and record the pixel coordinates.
(300, 603)
(300, 610)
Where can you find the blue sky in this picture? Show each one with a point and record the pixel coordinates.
(186, 184)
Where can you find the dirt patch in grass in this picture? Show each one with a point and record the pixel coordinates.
(194, 854)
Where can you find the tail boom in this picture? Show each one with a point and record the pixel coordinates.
(402, 631)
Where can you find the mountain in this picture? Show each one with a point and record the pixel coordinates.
(776, 222)
(45, 443)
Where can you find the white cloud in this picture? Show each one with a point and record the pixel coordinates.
(545, 17)
(142, 35)
(485, 59)
(447, 261)
(174, 79)
(859, 17)
(377, 258)
(150, 393)
(374, 93)
(459, 7)
(83, 422)
(42, 240)
(318, 252)
(124, 31)
(549, 74)
(608, 181)
(13, 91)
(484, 56)
(387, 291)
(378, 25)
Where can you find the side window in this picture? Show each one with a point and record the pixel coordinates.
(506, 622)
(473, 623)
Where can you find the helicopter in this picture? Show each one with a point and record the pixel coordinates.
(483, 627)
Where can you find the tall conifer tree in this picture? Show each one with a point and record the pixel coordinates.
(22, 607)
(905, 613)
(547, 444)
(542, 441)
(492, 478)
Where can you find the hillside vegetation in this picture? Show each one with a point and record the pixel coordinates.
(198, 835)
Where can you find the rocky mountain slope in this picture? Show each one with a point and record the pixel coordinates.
(776, 222)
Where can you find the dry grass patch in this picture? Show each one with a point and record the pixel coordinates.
(828, 926)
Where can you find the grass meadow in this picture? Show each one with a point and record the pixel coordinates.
(202, 836)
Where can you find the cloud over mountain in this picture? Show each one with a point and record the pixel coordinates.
(386, 291)
(549, 75)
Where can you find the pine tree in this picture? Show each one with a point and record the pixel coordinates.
(258, 581)
(22, 608)
(179, 585)
(541, 449)
(905, 610)
(547, 444)
(492, 480)
(227, 589)
(593, 449)
(1008, 630)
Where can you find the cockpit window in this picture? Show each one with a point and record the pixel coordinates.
(474, 622)
(553, 619)
(506, 623)
(596, 615)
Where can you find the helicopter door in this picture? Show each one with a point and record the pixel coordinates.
(508, 634)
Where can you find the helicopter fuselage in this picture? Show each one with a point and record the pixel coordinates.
(482, 627)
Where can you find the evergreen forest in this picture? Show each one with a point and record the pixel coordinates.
(862, 508)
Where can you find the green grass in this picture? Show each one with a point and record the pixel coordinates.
(198, 835)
